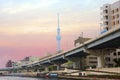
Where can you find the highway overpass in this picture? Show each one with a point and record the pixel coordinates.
(99, 46)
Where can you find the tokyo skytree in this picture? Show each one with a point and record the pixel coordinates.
(58, 37)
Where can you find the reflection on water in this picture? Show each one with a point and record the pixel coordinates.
(24, 78)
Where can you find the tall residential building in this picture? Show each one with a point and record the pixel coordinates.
(110, 19)
(110, 16)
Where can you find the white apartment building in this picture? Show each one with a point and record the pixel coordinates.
(110, 14)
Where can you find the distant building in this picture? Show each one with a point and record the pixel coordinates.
(90, 60)
(26, 61)
(80, 40)
(32, 59)
(110, 16)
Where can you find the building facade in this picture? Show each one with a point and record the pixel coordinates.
(109, 58)
(80, 40)
(90, 60)
(110, 16)
(26, 61)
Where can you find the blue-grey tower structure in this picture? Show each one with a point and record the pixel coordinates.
(58, 37)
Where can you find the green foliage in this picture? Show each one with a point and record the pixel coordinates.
(117, 61)
(36, 68)
(69, 63)
(52, 67)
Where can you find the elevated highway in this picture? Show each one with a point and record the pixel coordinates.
(99, 46)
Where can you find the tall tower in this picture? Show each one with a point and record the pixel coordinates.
(58, 37)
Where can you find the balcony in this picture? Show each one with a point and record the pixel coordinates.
(104, 25)
(103, 13)
(104, 19)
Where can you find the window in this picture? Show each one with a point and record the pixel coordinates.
(106, 17)
(106, 28)
(112, 11)
(106, 22)
(117, 10)
(117, 16)
(117, 22)
(107, 58)
(93, 62)
(113, 17)
(113, 23)
(106, 6)
(106, 11)
(118, 53)
(114, 54)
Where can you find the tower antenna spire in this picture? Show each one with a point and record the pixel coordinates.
(58, 37)
(58, 19)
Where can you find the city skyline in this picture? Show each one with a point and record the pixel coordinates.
(28, 28)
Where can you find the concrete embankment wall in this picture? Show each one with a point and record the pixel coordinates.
(113, 70)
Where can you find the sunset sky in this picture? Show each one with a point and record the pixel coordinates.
(28, 27)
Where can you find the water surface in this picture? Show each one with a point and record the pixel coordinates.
(25, 78)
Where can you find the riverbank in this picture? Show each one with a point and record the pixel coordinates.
(71, 74)
(89, 77)
(65, 76)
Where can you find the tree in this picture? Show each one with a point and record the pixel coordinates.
(9, 63)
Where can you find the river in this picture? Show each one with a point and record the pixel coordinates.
(24, 78)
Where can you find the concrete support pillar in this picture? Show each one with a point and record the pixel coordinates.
(58, 67)
(46, 69)
(76, 65)
(57, 64)
(77, 62)
(101, 61)
(100, 53)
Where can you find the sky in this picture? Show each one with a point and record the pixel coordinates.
(29, 27)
